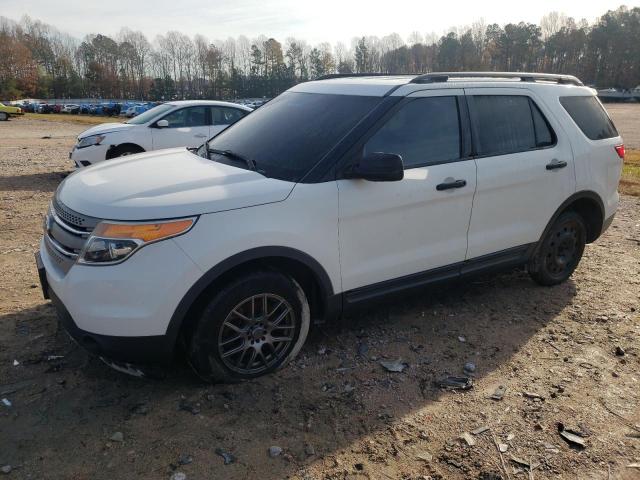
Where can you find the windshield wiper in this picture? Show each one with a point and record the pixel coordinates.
(234, 156)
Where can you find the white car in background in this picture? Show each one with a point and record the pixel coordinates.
(172, 124)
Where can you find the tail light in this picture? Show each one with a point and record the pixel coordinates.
(620, 151)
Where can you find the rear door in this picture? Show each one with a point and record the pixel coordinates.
(188, 127)
(396, 229)
(525, 169)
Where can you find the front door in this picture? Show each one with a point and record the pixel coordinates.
(390, 230)
(188, 127)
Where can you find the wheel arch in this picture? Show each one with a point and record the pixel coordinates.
(307, 271)
(590, 207)
(113, 149)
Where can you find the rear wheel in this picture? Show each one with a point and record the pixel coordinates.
(4, 116)
(560, 251)
(252, 327)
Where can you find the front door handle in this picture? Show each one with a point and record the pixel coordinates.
(200, 135)
(554, 165)
(450, 185)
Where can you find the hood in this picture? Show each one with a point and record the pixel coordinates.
(106, 128)
(166, 184)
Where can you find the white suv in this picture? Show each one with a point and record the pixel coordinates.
(186, 123)
(335, 193)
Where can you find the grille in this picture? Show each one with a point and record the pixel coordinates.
(66, 233)
(75, 219)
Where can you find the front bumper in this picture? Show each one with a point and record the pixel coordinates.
(123, 353)
(84, 157)
(121, 312)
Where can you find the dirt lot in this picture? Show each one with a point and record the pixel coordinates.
(566, 355)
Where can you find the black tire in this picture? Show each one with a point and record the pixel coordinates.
(227, 325)
(560, 251)
(4, 117)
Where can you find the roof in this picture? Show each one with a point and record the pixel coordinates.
(383, 84)
(213, 103)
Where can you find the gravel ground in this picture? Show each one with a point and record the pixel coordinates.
(567, 355)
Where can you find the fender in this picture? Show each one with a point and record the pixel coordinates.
(576, 196)
(212, 274)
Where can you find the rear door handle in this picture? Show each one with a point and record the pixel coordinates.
(450, 185)
(554, 165)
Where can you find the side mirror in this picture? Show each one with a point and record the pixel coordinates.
(378, 167)
(162, 124)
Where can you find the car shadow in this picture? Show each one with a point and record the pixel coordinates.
(41, 182)
(333, 395)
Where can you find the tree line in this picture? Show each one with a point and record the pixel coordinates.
(40, 61)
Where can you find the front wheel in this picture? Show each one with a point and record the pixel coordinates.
(4, 117)
(253, 326)
(560, 251)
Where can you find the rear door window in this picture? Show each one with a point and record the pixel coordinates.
(590, 117)
(425, 131)
(509, 124)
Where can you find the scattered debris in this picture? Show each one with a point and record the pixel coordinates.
(16, 363)
(462, 339)
(532, 396)
(363, 349)
(275, 451)
(117, 437)
(6, 469)
(322, 350)
(140, 408)
(503, 447)
(530, 465)
(396, 366)
(228, 457)
(510, 437)
(480, 430)
(309, 450)
(469, 368)
(189, 407)
(499, 393)
(185, 459)
(455, 383)
(620, 351)
(633, 465)
(424, 456)
(6, 402)
(45, 137)
(178, 476)
(572, 438)
(467, 437)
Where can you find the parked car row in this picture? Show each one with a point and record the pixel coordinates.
(109, 109)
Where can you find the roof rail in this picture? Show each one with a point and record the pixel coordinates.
(373, 74)
(437, 77)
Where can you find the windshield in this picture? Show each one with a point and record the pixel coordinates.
(290, 134)
(150, 114)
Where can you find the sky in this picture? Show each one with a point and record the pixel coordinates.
(317, 21)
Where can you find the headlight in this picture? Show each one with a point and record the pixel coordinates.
(112, 242)
(90, 140)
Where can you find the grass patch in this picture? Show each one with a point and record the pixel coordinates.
(80, 119)
(630, 180)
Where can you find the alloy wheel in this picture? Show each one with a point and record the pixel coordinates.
(257, 334)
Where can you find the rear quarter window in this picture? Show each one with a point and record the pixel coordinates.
(590, 117)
